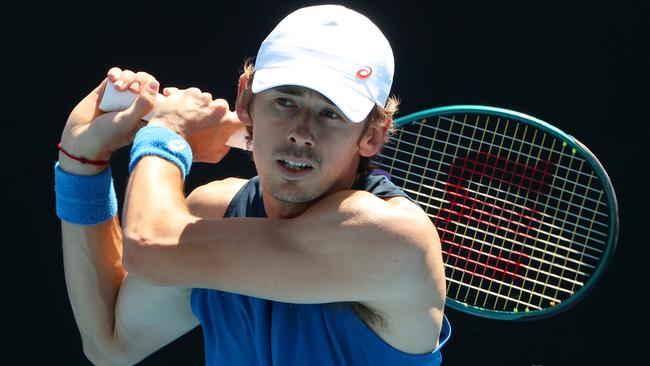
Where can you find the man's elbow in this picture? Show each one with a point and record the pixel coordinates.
(108, 356)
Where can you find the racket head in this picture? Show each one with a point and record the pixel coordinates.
(544, 208)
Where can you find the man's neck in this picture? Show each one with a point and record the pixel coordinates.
(284, 210)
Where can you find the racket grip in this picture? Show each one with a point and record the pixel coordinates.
(114, 100)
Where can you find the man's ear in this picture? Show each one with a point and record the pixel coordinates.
(243, 98)
(373, 139)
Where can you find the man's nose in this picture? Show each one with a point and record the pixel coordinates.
(301, 133)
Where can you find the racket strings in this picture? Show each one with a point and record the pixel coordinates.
(433, 190)
(555, 201)
(521, 183)
(517, 180)
(592, 191)
(602, 193)
(550, 208)
(547, 283)
(503, 244)
(564, 171)
(458, 193)
(546, 288)
(455, 250)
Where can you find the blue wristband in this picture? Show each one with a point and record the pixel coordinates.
(84, 199)
(162, 142)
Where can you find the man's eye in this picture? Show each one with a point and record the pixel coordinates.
(330, 114)
(285, 102)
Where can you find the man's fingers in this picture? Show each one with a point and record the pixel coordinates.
(146, 99)
(144, 103)
(127, 79)
(169, 91)
(113, 74)
(141, 80)
(124, 79)
(143, 84)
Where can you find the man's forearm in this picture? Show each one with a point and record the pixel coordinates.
(93, 274)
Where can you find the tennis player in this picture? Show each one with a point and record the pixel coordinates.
(312, 262)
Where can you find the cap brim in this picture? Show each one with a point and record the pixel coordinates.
(341, 91)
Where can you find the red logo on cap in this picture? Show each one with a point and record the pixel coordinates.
(364, 73)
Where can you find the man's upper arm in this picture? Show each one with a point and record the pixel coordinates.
(351, 246)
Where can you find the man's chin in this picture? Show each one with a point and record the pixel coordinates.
(291, 194)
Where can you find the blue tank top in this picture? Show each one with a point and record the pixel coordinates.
(245, 330)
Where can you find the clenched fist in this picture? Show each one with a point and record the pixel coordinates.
(205, 123)
(93, 134)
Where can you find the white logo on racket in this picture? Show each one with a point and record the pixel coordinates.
(177, 145)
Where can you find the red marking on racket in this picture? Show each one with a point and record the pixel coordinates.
(466, 206)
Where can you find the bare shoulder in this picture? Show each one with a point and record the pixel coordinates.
(395, 229)
(392, 216)
(210, 201)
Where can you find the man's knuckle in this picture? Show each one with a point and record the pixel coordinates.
(220, 104)
(114, 70)
(144, 75)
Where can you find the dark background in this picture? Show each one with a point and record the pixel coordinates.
(578, 65)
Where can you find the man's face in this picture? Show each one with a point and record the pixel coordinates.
(303, 146)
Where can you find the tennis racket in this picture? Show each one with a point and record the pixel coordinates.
(526, 214)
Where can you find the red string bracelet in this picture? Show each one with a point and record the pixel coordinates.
(82, 160)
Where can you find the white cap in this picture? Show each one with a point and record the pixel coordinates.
(330, 49)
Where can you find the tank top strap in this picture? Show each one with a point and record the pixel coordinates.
(248, 201)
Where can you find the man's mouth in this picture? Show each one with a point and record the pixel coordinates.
(296, 166)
